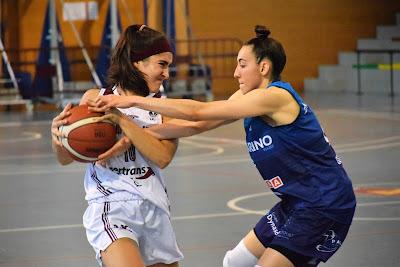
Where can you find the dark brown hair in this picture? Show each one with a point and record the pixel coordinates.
(267, 47)
(135, 40)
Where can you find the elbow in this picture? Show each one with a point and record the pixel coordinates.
(163, 162)
(194, 116)
(65, 162)
(194, 113)
(64, 159)
(162, 165)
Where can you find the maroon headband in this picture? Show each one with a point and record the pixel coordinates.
(160, 46)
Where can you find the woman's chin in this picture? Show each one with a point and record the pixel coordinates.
(154, 88)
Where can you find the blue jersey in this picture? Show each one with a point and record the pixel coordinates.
(298, 163)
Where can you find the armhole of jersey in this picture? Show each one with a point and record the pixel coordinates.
(102, 91)
(294, 95)
(107, 91)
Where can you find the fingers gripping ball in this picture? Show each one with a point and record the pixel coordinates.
(84, 138)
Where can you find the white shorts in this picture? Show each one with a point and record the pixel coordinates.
(140, 220)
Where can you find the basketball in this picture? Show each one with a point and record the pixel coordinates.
(84, 138)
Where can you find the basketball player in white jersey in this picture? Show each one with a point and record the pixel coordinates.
(127, 221)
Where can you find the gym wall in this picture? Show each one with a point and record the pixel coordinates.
(312, 31)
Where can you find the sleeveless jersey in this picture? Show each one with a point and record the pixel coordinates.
(129, 175)
(298, 163)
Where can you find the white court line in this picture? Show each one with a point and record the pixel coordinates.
(218, 140)
(40, 228)
(69, 226)
(27, 136)
(353, 147)
(23, 124)
(369, 142)
(220, 160)
(232, 204)
(366, 114)
(216, 149)
(382, 203)
(372, 147)
(240, 212)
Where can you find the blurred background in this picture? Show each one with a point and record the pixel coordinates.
(53, 49)
(343, 57)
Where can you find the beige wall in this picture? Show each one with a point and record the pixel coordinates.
(312, 31)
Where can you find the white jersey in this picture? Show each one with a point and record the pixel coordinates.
(130, 175)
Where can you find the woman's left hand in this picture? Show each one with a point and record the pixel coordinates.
(104, 102)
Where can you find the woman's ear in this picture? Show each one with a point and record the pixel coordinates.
(264, 67)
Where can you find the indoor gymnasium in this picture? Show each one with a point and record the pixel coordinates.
(199, 133)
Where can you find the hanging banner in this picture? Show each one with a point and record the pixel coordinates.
(81, 11)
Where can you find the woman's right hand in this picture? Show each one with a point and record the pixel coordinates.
(105, 102)
(117, 149)
(58, 121)
(113, 115)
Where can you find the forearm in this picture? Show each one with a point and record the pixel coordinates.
(176, 108)
(158, 151)
(62, 155)
(176, 128)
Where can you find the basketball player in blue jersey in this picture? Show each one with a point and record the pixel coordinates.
(127, 220)
(289, 149)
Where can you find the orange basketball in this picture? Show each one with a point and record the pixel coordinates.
(85, 139)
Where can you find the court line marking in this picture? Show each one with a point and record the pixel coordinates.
(27, 136)
(188, 160)
(217, 150)
(25, 123)
(377, 144)
(244, 211)
(367, 114)
(68, 226)
(237, 211)
(232, 204)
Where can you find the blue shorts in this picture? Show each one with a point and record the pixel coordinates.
(303, 231)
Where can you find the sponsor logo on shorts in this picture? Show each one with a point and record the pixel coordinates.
(152, 115)
(271, 221)
(275, 182)
(338, 160)
(125, 227)
(305, 108)
(331, 242)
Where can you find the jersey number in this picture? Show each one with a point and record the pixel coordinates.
(130, 154)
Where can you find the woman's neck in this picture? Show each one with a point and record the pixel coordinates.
(265, 82)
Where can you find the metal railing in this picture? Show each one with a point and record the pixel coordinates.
(374, 51)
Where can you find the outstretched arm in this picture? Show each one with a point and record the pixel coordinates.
(176, 128)
(258, 102)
